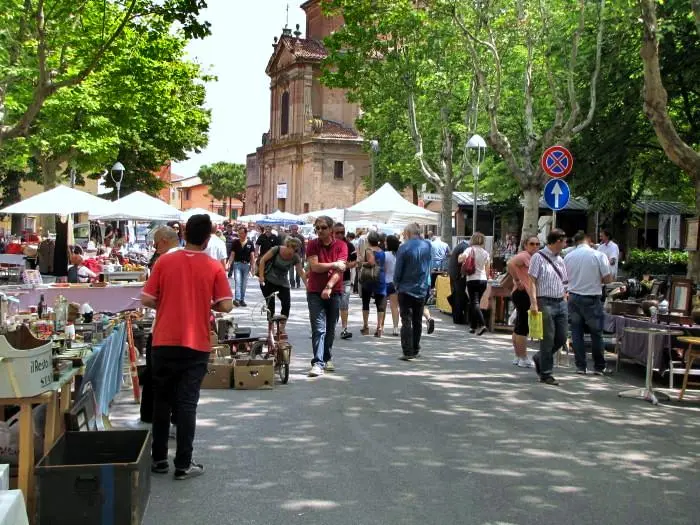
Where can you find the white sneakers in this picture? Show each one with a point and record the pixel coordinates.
(316, 371)
(526, 363)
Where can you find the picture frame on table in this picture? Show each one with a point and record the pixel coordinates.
(681, 296)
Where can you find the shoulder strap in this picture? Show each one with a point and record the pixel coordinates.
(554, 266)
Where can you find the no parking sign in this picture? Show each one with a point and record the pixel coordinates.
(557, 162)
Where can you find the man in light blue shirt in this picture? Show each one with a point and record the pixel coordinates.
(440, 251)
(587, 269)
(412, 280)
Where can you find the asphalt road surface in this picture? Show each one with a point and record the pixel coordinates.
(460, 436)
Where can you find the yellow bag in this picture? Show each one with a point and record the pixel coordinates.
(534, 321)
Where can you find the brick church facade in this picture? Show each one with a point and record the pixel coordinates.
(312, 156)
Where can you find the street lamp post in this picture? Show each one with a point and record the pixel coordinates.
(476, 147)
(374, 146)
(119, 168)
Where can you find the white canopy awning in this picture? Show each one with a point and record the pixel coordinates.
(337, 214)
(255, 217)
(215, 217)
(387, 205)
(282, 218)
(141, 206)
(61, 200)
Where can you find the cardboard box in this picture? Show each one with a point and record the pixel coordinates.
(253, 374)
(219, 374)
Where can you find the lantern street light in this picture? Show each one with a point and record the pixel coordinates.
(119, 169)
(476, 153)
(374, 146)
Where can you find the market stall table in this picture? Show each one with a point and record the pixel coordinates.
(647, 393)
(498, 308)
(57, 400)
(107, 299)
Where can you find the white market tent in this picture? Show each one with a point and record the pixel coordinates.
(388, 206)
(255, 217)
(282, 218)
(140, 206)
(61, 200)
(337, 214)
(215, 217)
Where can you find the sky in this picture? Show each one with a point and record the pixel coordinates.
(237, 52)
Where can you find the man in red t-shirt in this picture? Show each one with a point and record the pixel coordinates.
(327, 260)
(184, 287)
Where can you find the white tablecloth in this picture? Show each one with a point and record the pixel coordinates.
(17, 260)
(108, 299)
(12, 509)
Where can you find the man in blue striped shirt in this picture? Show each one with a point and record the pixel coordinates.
(548, 295)
(412, 281)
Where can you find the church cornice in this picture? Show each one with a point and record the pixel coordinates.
(303, 51)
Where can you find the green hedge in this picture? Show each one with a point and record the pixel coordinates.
(655, 262)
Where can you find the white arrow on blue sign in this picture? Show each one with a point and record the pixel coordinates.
(557, 194)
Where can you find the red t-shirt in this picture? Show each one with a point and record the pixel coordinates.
(335, 251)
(185, 284)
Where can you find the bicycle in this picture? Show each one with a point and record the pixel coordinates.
(276, 345)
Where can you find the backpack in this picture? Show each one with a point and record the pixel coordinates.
(469, 264)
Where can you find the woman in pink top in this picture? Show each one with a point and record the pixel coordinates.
(517, 268)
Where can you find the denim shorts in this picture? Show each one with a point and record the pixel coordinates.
(345, 297)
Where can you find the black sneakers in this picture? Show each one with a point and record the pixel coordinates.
(345, 334)
(192, 471)
(160, 467)
(431, 325)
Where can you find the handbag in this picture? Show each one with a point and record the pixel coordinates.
(369, 273)
(469, 264)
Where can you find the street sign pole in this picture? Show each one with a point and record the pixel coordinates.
(554, 219)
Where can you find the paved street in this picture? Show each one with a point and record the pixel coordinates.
(460, 436)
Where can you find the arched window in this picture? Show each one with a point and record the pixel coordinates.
(284, 128)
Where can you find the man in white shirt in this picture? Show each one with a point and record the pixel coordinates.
(216, 249)
(610, 249)
(587, 270)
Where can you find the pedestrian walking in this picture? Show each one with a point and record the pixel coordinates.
(548, 283)
(518, 267)
(392, 246)
(184, 287)
(273, 274)
(477, 281)
(412, 281)
(230, 235)
(339, 233)
(294, 276)
(459, 302)
(375, 289)
(327, 258)
(588, 270)
(243, 260)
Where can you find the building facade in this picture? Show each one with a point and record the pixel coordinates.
(190, 193)
(312, 157)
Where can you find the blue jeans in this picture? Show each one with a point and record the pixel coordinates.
(323, 316)
(587, 310)
(555, 321)
(242, 270)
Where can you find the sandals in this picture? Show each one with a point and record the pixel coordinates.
(378, 333)
(365, 331)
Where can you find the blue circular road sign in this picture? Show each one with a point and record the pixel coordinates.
(556, 194)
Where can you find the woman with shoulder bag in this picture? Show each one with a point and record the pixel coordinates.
(373, 282)
(477, 281)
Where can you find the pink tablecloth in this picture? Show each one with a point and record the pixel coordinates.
(108, 299)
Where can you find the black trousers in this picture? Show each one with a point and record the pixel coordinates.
(476, 289)
(283, 294)
(180, 370)
(459, 302)
(411, 311)
(146, 383)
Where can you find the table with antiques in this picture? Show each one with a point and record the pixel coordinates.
(111, 298)
(651, 334)
(498, 307)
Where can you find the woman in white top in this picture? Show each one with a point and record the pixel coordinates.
(392, 246)
(477, 282)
